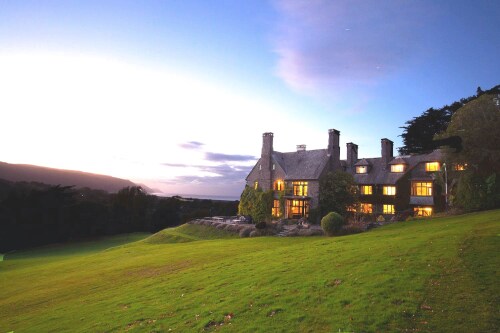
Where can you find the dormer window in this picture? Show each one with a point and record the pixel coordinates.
(361, 169)
(397, 168)
(432, 166)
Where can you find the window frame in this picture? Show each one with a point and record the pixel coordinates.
(388, 209)
(432, 166)
(361, 169)
(366, 208)
(420, 211)
(389, 190)
(418, 187)
(300, 188)
(368, 188)
(398, 168)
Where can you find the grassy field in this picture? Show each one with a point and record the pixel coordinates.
(436, 275)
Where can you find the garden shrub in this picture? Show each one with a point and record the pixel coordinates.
(331, 223)
(261, 225)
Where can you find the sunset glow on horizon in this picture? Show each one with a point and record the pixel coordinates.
(177, 96)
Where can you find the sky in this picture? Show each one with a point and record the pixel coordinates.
(176, 94)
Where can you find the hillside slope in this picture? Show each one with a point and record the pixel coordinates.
(436, 275)
(26, 172)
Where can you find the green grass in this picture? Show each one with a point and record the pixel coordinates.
(436, 275)
(189, 233)
(63, 250)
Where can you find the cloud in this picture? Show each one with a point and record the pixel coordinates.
(222, 174)
(218, 157)
(191, 145)
(323, 44)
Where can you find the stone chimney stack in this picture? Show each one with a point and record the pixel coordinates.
(334, 149)
(301, 147)
(352, 155)
(266, 164)
(387, 154)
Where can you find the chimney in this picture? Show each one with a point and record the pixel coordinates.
(301, 147)
(352, 155)
(387, 155)
(266, 167)
(334, 149)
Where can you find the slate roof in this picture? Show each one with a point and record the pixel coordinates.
(398, 160)
(308, 164)
(363, 162)
(377, 174)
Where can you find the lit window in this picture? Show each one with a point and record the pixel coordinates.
(255, 185)
(432, 166)
(460, 167)
(366, 208)
(351, 209)
(389, 190)
(361, 169)
(397, 168)
(297, 208)
(388, 209)
(276, 208)
(421, 189)
(366, 189)
(422, 211)
(300, 188)
(279, 185)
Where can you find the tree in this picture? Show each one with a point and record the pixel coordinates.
(477, 124)
(256, 203)
(337, 192)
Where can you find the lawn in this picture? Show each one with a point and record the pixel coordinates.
(433, 275)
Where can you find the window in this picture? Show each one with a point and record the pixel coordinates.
(255, 185)
(274, 166)
(297, 208)
(279, 185)
(361, 169)
(460, 167)
(366, 208)
(422, 211)
(351, 209)
(276, 208)
(431, 166)
(421, 189)
(397, 168)
(260, 166)
(389, 190)
(300, 188)
(366, 189)
(388, 209)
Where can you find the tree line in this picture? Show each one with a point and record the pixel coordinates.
(34, 214)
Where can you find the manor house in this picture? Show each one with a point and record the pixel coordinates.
(387, 184)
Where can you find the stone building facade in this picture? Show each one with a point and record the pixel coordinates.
(387, 184)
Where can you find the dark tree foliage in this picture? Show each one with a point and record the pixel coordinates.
(338, 191)
(419, 132)
(33, 214)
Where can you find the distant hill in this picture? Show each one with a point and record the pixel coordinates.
(33, 173)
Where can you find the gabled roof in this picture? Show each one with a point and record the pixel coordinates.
(398, 160)
(363, 162)
(308, 164)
